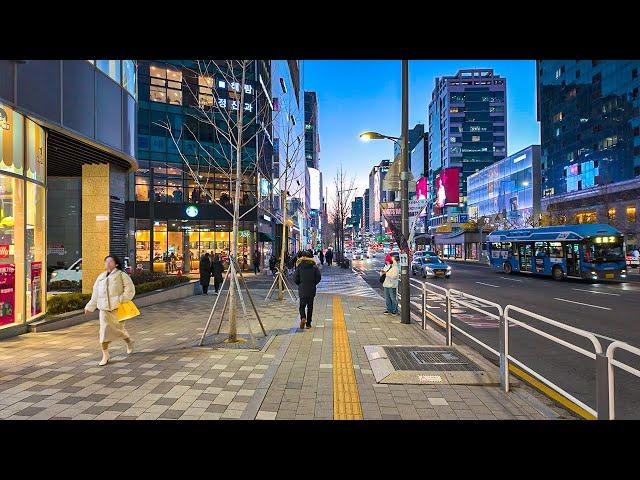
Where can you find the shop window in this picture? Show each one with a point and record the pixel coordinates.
(36, 288)
(11, 250)
(611, 214)
(11, 140)
(631, 214)
(35, 151)
(586, 217)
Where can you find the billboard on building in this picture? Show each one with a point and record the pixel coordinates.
(314, 184)
(421, 188)
(447, 187)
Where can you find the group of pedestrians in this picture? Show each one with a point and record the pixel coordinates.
(210, 267)
(114, 287)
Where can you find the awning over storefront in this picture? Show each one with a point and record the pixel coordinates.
(265, 237)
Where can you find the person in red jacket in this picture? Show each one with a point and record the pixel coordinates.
(387, 258)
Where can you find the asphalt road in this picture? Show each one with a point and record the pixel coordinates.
(610, 311)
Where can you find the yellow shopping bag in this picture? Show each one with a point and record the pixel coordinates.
(127, 311)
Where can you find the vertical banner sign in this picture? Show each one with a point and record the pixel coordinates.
(36, 298)
(7, 293)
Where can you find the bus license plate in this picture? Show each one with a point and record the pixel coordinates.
(608, 275)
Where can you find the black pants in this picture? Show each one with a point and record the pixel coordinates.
(216, 283)
(306, 303)
(256, 268)
(205, 286)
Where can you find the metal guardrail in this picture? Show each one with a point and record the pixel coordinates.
(605, 393)
(610, 373)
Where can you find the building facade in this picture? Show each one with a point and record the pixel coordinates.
(467, 132)
(589, 113)
(377, 194)
(71, 124)
(312, 159)
(508, 192)
(171, 208)
(365, 201)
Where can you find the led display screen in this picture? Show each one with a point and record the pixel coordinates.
(447, 187)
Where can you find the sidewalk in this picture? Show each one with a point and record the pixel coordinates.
(322, 373)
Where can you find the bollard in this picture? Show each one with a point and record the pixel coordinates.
(602, 387)
(449, 342)
(504, 352)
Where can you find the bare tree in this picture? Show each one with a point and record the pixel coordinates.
(225, 102)
(341, 207)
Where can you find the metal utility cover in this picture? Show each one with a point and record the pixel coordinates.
(420, 358)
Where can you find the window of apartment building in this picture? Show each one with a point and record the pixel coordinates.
(634, 73)
(205, 91)
(631, 214)
(586, 217)
(452, 139)
(475, 138)
(166, 85)
(611, 214)
(453, 110)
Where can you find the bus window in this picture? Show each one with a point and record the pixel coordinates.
(555, 250)
(540, 249)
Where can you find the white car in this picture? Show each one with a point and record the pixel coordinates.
(73, 273)
(357, 255)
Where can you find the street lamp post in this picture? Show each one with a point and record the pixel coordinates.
(403, 143)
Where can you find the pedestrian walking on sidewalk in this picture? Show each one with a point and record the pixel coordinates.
(112, 287)
(329, 257)
(256, 262)
(205, 272)
(307, 276)
(216, 272)
(390, 285)
(321, 255)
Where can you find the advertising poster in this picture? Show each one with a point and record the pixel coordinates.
(447, 187)
(36, 297)
(7, 293)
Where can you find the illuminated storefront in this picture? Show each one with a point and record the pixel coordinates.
(22, 219)
(178, 242)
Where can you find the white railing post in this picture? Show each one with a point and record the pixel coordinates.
(449, 340)
(504, 352)
(602, 386)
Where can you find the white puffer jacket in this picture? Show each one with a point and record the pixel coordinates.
(110, 291)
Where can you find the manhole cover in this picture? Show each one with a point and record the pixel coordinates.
(430, 359)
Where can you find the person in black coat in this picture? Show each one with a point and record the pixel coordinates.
(329, 257)
(307, 276)
(205, 272)
(321, 256)
(216, 272)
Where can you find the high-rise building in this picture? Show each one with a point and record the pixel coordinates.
(377, 194)
(415, 135)
(172, 209)
(312, 160)
(366, 209)
(357, 210)
(467, 132)
(589, 113)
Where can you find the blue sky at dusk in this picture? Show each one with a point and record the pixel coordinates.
(359, 95)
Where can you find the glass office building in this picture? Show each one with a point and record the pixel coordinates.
(467, 132)
(507, 192)
(589, 112)
(171, 208)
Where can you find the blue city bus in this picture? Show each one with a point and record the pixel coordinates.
(586, 251)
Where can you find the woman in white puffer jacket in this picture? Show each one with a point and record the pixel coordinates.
(112, 287)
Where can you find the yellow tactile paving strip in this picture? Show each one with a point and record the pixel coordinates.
(346, 399)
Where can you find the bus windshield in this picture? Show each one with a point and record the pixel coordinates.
(604, 252)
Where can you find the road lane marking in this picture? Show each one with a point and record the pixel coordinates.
(511, 279)
(593, 291)
(580, 303)
(346, 399)
(489, 285)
